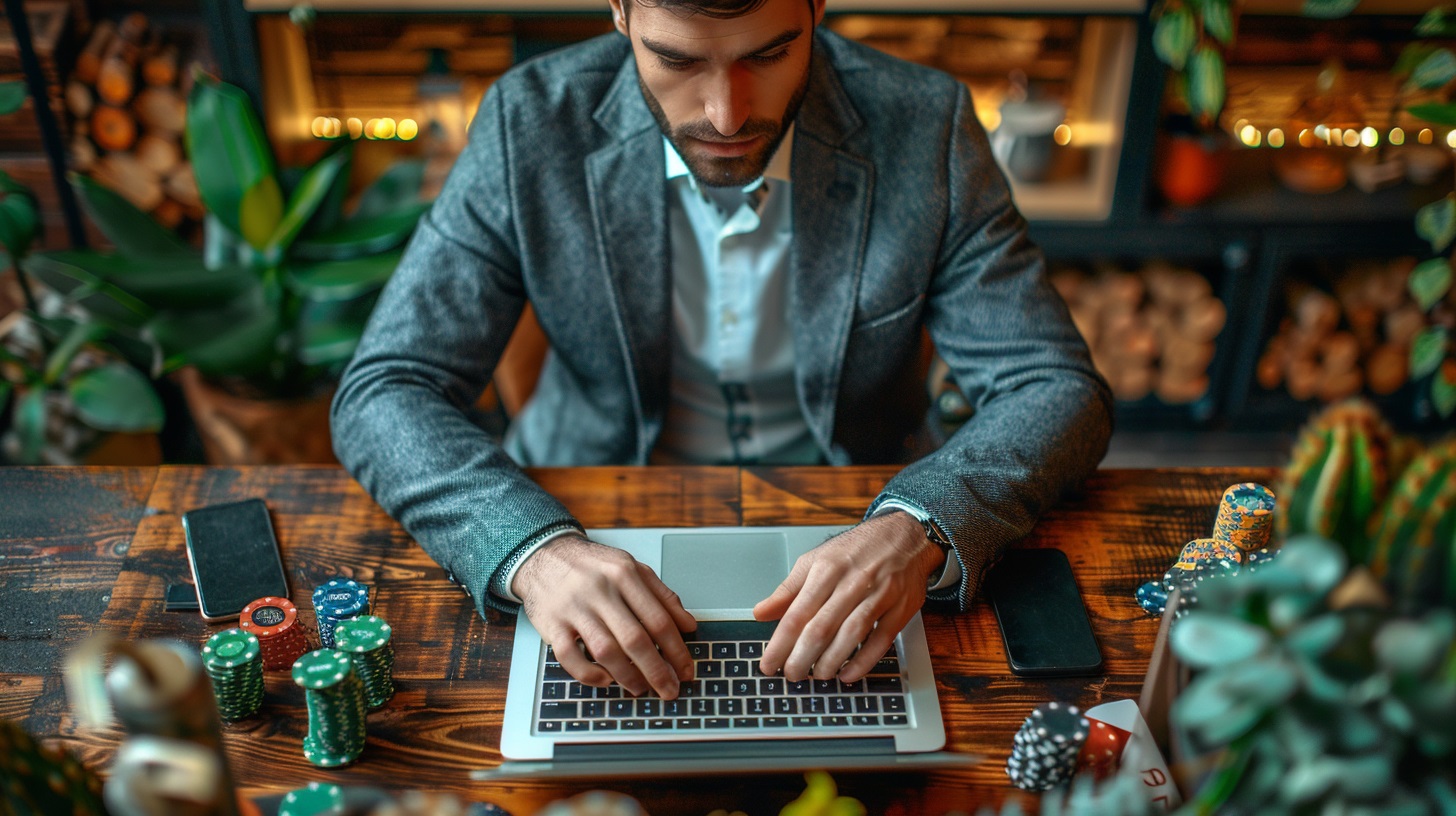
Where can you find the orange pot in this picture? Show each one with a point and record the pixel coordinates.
(1191, 168)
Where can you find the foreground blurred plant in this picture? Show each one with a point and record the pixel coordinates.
(61, 372)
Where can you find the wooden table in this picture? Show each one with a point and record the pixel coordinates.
(97, 546)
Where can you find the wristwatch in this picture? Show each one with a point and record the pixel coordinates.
(936, 535)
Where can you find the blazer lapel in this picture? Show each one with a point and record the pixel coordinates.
(833, 189)
(625, 182)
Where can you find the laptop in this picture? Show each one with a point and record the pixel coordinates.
(730, 718)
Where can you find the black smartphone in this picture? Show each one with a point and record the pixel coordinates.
(1043, 622)
(234, 557)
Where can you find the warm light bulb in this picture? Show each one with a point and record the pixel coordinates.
(1369, 137)
(1276, 138)
(1306, 138)
(356, 127)
(1451, 139)
(1351, 138)
(1249, 135)
(408, 129)
(1397, 137)
(1425, 137)
(320, 127)
(1063, 134)
(1320, 132)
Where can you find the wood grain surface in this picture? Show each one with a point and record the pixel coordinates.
(98, 546)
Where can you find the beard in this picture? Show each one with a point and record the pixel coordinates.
(719, 171)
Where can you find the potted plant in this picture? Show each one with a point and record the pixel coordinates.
(261, 321)
(62, 379)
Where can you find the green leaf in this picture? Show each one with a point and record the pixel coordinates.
(85, 289)
(329, 343)
(230, 153)
(30, 422)
(1205, 639)
(1329, 9)
(236, 340)
(330, 212)
(1437, 69)
(1443, 395)
(174, 282)
(311, 192)
(12, 97)
(1174, 37)
(19, 222)
(1438, 22)
(1206, 89)
(1435, 113)
(396, 190)
(1436, 222)
(342, 280)
(1414, 647)
(116, 397)
(1412, 55)
(361, 237)
(79, 335)
(131, 230)
(1429, 282)
(1218, 21)
(260, 212)
(1427, 351)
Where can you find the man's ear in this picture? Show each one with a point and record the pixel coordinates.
(818, 11)
(619, 14)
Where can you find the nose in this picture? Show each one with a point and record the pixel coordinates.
(728, 100)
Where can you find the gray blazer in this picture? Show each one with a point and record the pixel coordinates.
(902, 221)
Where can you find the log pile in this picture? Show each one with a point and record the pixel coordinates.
(1335, 344)
(1151, 331)
(127, 97)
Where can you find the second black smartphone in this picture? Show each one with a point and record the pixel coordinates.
(1043, 622)
(234, 557)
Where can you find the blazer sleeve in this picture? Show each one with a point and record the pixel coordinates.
(1043, 415)
(401, 416)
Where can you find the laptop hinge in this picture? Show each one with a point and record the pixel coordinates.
(728, 749)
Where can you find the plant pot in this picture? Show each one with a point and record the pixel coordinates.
(244, 431)
(1191, 167)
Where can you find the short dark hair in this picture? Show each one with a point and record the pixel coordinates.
(718, 9)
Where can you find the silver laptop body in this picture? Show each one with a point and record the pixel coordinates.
(719, 573)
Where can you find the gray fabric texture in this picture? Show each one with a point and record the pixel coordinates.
(902, 221)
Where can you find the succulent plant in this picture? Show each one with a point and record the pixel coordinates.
(1414, 537)
(1339, 475)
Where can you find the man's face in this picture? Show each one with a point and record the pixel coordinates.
(723, 91)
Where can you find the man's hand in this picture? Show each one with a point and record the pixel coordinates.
(577, 590)
(860, 587)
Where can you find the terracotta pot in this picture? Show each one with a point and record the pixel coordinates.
(242, 431)
(1191, 167)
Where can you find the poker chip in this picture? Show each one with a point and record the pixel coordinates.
(336, 707)
(1153, 598)
(1245, 516)
(318, 799)
(1044, 751)
(274, 622)
(1207, 550)
(366, 639)
(336, 600)
(233, 660)
(1103, 750)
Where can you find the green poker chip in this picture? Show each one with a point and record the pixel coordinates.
(318, 799)
(231, 647)
(337, 707)
(321, 669)
(233, 660)
(362, 634)
(367, 640)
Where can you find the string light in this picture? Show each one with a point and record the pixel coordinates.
(1397, 137)
(1250, 135)
(356, 127)
(1276, 138)
(408, 129)
(1425, 136)
(1062, 135)
(1369, 137)
(1451, 139)
(1352, 138)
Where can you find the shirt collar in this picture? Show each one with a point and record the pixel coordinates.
(778, 166)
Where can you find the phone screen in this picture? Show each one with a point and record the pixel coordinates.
(1043, 622)
(234, 556)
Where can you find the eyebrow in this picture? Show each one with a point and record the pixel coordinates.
(668, 52)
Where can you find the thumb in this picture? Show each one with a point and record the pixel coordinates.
(776, 604)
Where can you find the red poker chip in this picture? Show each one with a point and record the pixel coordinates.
(268, 617)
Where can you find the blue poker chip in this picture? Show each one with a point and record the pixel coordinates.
(341, 598)
(1153, 598)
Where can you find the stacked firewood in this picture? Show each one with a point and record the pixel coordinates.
(1333, 345)
(127, 95)
(1151, 331)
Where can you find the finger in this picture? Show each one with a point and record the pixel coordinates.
(777, 603)
(670, 600)
(787, 649)
(608, 653)
(851, 633)
(568, 654)
(668, 631)
(876, 645)
(643, 629)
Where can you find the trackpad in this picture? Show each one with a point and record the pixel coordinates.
(724, 570)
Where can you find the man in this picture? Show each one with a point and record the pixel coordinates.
(732, 229)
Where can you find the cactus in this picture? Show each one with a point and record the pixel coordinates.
(1339, 476)
(1414, 537)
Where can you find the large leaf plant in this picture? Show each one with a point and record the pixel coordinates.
(64, 377)
(275, 302)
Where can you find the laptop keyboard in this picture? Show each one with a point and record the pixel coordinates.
(729, 693)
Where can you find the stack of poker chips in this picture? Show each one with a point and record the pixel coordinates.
(1240, 538)
(366, 640)
(317, 799)
(274, 621)
(336, 708)
(233, 660)
(338, 600)
(1245, 516)
(1044, 752)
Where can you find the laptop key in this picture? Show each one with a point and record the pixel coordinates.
(786, 705)
(578, 691)
(893, 704)
(814, 705)
(800, 687)
(745, 722)
(866, 719)
(804, 722)
(725, 651)
(751, 650)
(549, 726)
(698, 650)
(715, 722)
(835, 720)
(709, 668)
(558, 711)
(744, 688)
(593, 708)
(704, 708)
(758, 706)
(604, 725)
(866, 705)
(896, 719)
(634, 725)
(716, 688)
(648, 708)
(578, 725)
(691, 688)
(736, 668)
(555, 671)
(771, 686)
(731, 707)
(826, 686)
(884, 685)
(611, 692)
(688, 723)
(840, 705)
(658, 724)
(553, 691)
(619, 708)
(857, 687)
(775, 722)
(889, 664)
(675, 708)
